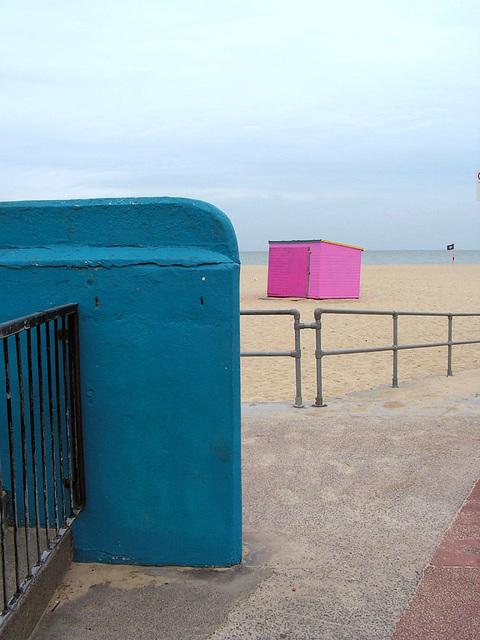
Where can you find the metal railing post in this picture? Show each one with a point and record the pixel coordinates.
(77, 428)
(450, 340)
(395, 350)
(297, 353)
(298, 361)
(319, 355)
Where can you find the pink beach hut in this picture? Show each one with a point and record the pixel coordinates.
(313, 269)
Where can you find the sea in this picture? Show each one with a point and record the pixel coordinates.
(388, 257)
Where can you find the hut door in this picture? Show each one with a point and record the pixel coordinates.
(287, 271)
(308, 273)
(298, 259)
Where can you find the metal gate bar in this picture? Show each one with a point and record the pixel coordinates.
(297, 353)
(39, 500)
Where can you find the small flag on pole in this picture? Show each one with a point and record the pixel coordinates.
(450, 247)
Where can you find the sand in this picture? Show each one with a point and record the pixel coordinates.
(400, 287)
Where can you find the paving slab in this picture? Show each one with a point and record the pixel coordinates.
(341, 515)
(446, 602)
(105, 602)
(355, 508)
(446, 607)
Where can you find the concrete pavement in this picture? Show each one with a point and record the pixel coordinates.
(342, 512)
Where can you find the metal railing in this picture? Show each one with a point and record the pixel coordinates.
(41, 450)
(321, 353)
(296, 353)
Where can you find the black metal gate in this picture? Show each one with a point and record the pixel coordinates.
(41, 451)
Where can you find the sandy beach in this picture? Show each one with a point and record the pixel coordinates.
(400, 287)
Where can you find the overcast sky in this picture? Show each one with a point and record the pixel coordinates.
(354, 121)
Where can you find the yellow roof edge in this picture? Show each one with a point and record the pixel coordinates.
(341, 244)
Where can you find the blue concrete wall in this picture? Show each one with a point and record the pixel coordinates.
(157, 284)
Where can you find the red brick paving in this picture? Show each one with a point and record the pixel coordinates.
(463, 552)
(475, 493)
(467, 522)
(446, 605)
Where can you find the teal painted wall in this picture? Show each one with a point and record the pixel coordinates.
(157, 283)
